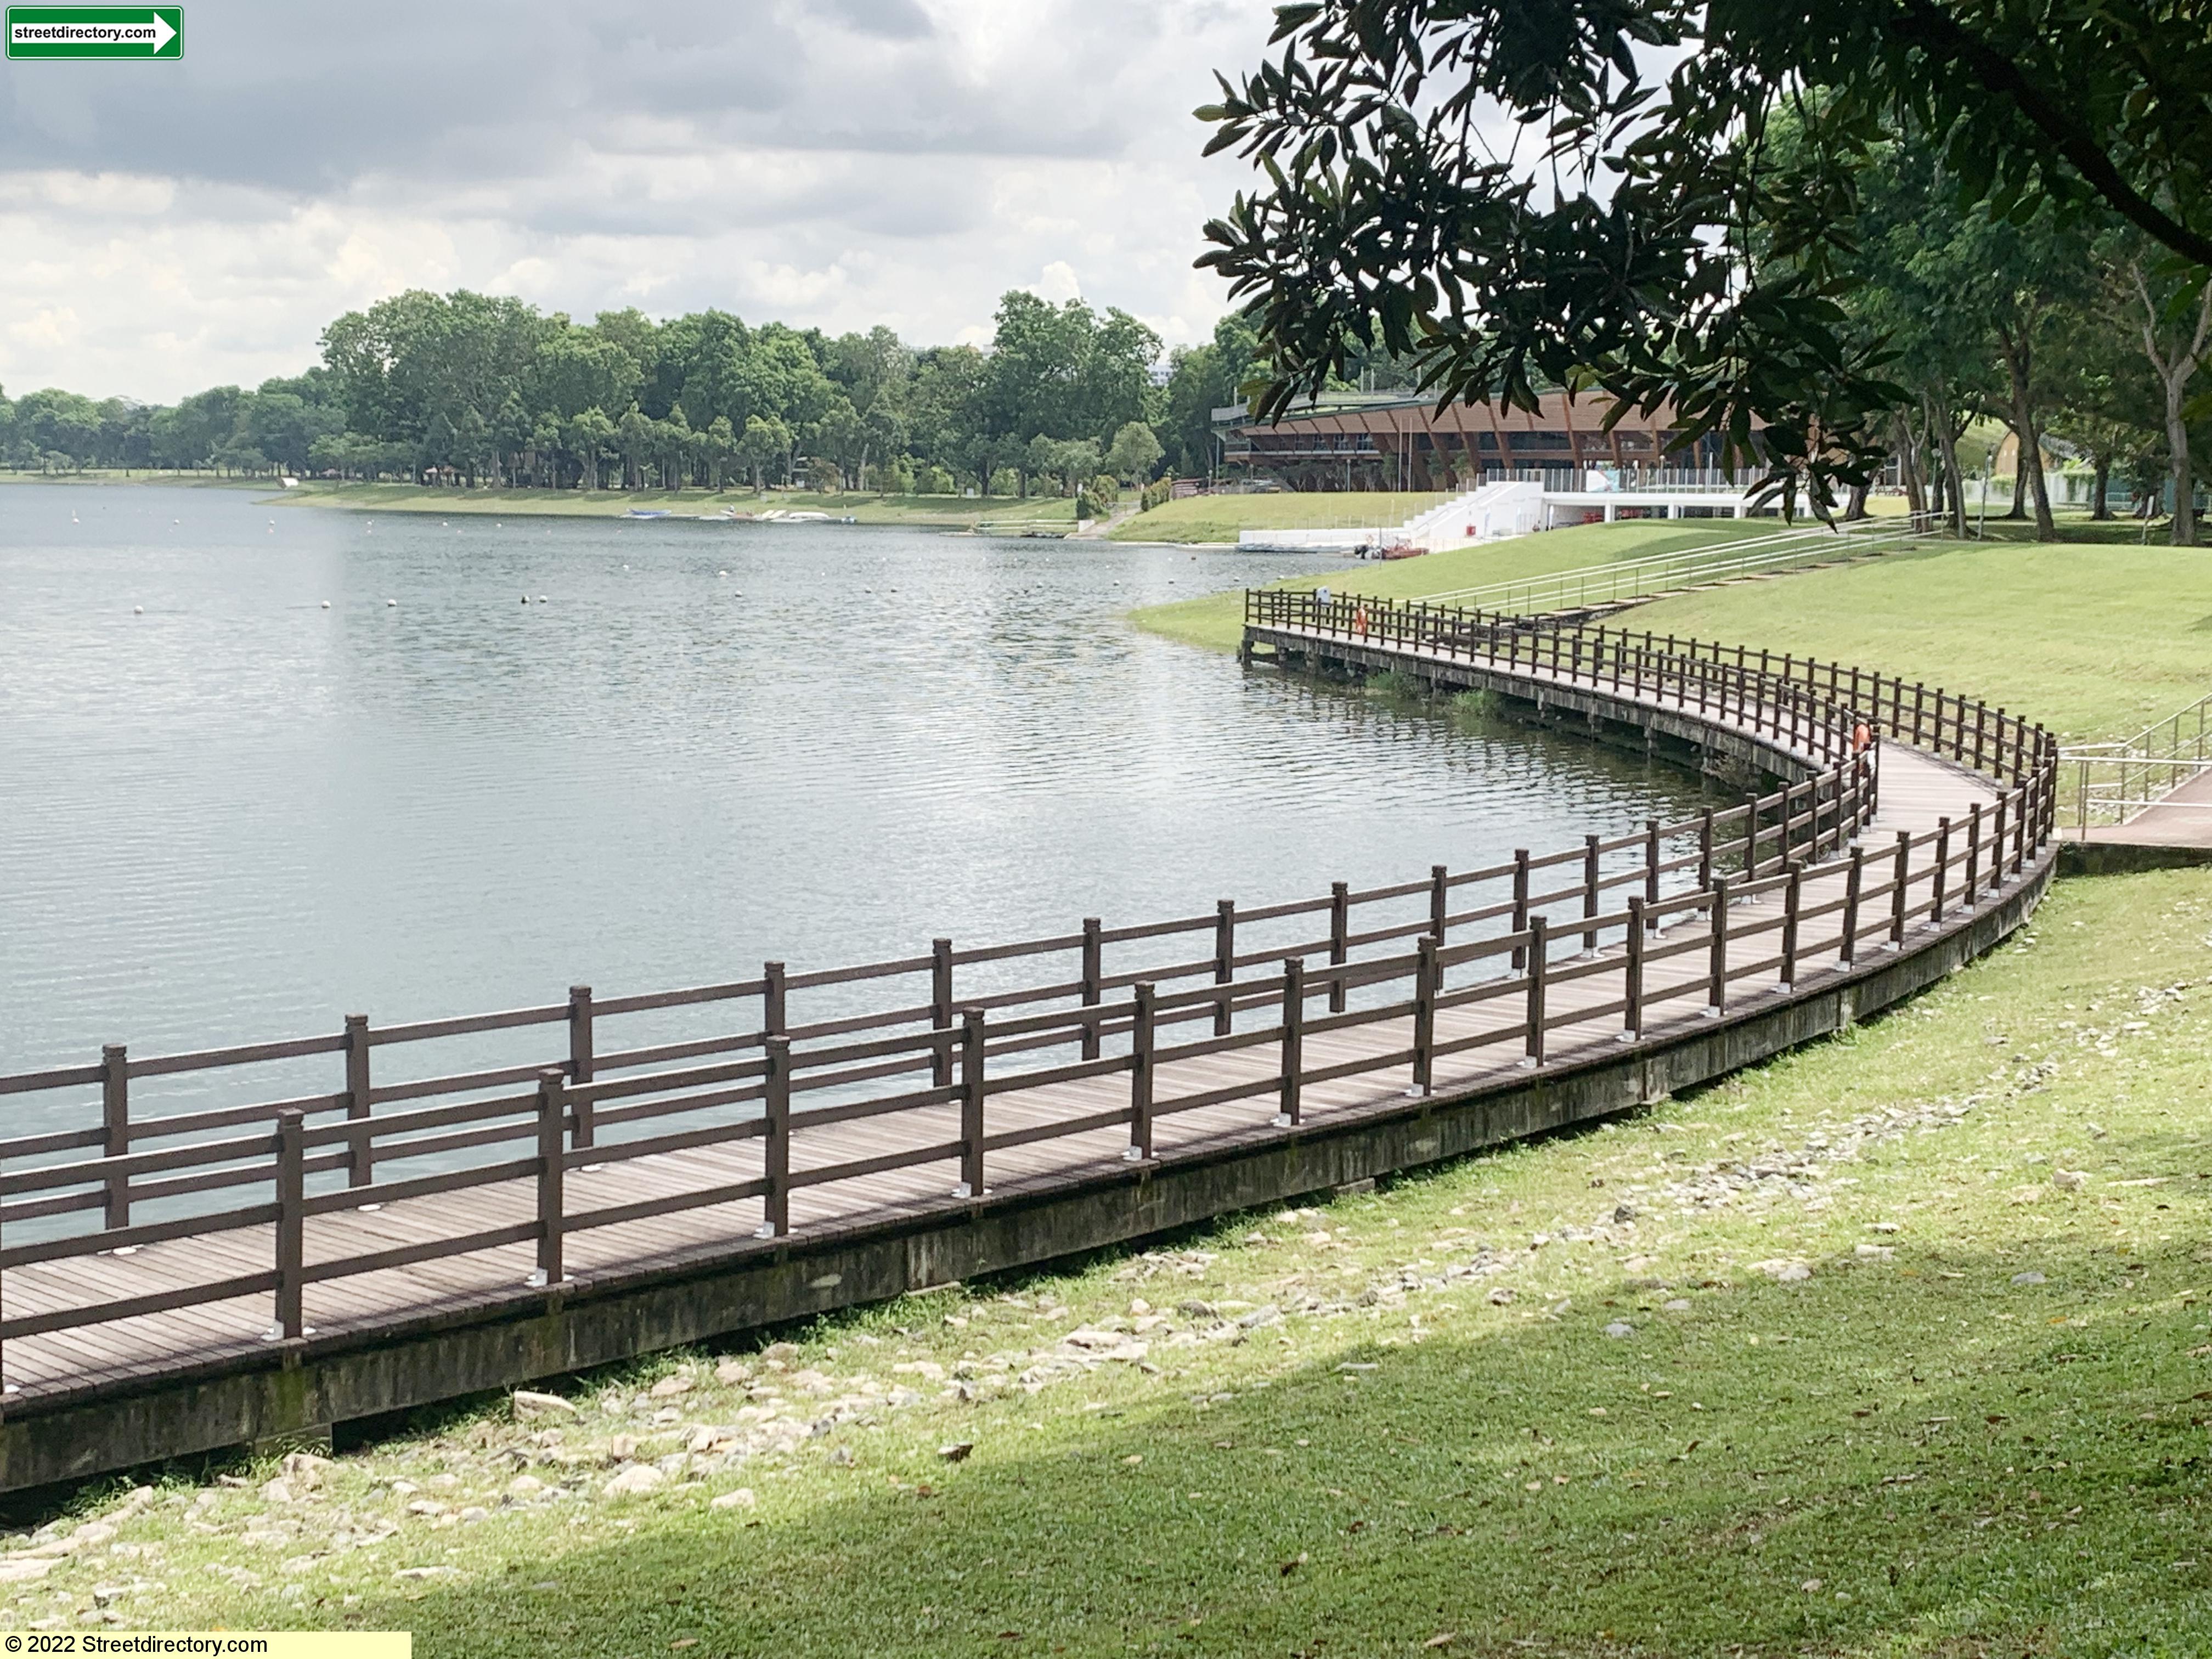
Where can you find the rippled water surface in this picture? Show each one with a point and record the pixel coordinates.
(241, 813)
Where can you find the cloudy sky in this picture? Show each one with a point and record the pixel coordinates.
(837, 163)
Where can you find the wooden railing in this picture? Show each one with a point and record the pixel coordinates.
(961, 1026)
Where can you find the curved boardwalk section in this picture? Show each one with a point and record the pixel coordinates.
(274, 1257)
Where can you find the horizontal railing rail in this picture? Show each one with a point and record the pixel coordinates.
(1038, 1025)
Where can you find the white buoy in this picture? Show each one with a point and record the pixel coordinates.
(327, 604)
(137, 610)
(542, 600)
(721, 573)
(391, 604)
(525, 599)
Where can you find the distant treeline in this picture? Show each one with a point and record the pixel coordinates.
(471, 388)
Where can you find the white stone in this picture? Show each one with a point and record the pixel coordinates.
(529, 1403)
(636, 1480)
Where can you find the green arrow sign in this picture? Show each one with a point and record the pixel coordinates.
(128, 31)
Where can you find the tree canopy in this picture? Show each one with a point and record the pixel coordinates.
(472, 386)
(1507, 194)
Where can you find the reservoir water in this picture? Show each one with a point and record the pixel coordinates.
(261, 765)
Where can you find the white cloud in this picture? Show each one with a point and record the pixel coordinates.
(903, 161)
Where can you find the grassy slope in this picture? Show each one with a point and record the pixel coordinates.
(1217, 620)
(2094, 640)
(1907, 1454)
(605, 503)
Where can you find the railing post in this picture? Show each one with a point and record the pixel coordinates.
(1942, 869)
(1439, 902)
(971, 1105)
(291, 1225)
(1853, 880)
(1589, 892)
(1225, 963)
(1716, 969)
(115, 1126)
(1339, 934)
(1793, 901)
(775, 1142)
(1970, 890)
(1652, 865)
(1520, 904)
(1632, 989)
(360, 1160)
(1998, 846)
(1900, 880)
(940, 1008)
(1750, 837)
(552, 1204)
(1539, 972)
(1093, 972)
(1706, 850)
(774, 1010)
(1425, 1015)
(1140, 1078)
(1294, 1041)
(581, 1059)
(2024, 786)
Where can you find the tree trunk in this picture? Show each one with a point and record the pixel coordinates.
(2175, 364)
(1854, 505)
(2184, 531)
(2099, 482)
(1946, 429)
(2017, 348)
(1908, 466)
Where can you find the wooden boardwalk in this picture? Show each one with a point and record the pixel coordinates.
(1210, 1079)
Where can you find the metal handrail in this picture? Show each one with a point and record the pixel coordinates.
(1637, 577)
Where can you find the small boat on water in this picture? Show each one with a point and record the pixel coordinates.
(647, 512)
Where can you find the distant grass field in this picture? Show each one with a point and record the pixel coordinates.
(949, 510)
(1221, 518)
(136, 476)
(1217, 620)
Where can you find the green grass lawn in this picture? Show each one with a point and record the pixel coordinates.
(1221, 518)
(2095, 640)
(951, 510)
(1217, 620)
(1897, 1346)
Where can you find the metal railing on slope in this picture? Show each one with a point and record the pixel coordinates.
(2105, 784)
(1629, 578)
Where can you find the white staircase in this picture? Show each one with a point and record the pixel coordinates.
(1503, 508)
